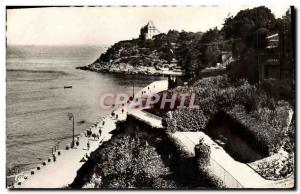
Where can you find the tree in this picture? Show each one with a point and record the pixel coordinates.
(248, 21)
(248, 31)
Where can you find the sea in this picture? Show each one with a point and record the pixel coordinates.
(37, 104)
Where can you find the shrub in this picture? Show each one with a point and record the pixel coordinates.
(202, 154)
(278, 89)
(136, 165)
(186, 119)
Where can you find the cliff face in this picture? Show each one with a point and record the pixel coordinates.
(139, 56)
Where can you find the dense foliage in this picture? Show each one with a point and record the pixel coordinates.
(266, 118)
(148, 159)
(248, 30)
(129, 162)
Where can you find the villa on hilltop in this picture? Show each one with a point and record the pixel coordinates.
(148, 31)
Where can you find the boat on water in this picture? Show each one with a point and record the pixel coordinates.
(67, 87)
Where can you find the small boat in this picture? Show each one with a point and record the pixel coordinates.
(67, 87)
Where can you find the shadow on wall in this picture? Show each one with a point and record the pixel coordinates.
(236, 139)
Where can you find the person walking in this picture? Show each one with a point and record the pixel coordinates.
(54, 157)
(88, 145)
(100, 131)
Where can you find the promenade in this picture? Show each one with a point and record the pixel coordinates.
(62, 172)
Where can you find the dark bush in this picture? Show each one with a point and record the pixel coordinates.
(202, 154)
(136, 165)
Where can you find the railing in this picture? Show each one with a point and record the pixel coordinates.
(152, 115)
(227, 179)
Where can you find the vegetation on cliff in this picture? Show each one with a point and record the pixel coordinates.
(125, 162)
(142, 159)
(244, 35)
(265, 119)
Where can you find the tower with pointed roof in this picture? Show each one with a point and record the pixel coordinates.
(148, 31)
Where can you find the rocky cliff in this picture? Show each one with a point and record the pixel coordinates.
(154, 56)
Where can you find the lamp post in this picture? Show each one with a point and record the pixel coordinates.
(133, 89)
(71, 116)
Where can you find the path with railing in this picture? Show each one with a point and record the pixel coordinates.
(232, 173)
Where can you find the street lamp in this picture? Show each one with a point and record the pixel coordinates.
(132, 89)
(71, 116)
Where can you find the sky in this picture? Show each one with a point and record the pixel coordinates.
(107, 25)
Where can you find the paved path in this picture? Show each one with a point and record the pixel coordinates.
(61, 173)
(234, 173)
(146, 117)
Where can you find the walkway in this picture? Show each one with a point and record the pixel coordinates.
(151, 119)
(62, 172)
(233, 173)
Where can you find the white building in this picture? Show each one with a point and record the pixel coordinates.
(148, 31)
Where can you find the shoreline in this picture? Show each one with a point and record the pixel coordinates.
(68, 161)
(149, 71)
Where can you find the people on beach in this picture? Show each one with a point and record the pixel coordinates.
(100, 131)
(103, 123)
(116, 116)
(122, 110)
